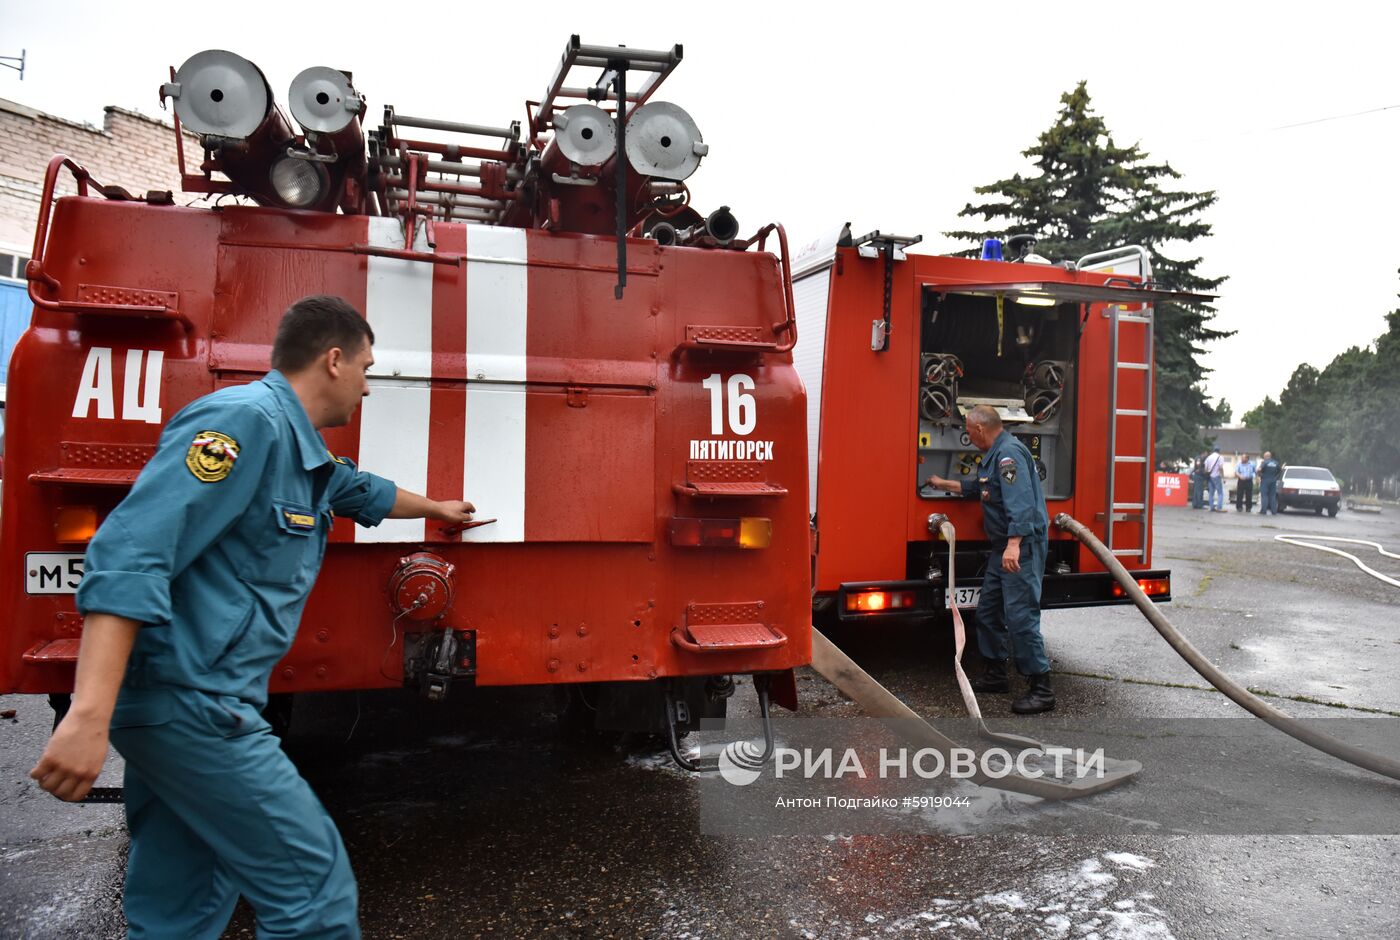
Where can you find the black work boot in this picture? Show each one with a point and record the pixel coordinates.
(1038, 699)
(993, 678)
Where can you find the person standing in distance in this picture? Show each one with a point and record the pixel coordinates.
(1015, 520)
(1244, 485)
(1198, 481)
(193, 590)
(1215, 477)
(1269, 470)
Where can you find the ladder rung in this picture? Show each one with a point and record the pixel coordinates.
(1130, 413)
(1117, 506)
(1140, 366)
(1133, 318)
(1130, 460)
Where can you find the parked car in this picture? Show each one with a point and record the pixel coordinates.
(1309, 488)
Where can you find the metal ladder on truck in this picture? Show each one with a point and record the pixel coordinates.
(1128, 260)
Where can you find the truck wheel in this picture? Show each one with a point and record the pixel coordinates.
(1332, 511)
(1317, 510)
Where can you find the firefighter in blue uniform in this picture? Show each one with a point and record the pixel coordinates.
(1015, 520)
(193, 589)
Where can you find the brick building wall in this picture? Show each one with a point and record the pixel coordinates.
(129, 150)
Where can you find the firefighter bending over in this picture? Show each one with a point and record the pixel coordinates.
(193, 590)
(1014, 517)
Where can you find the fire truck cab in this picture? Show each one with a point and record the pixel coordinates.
(897, 346)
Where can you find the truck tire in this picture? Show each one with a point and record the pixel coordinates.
(1332, 511)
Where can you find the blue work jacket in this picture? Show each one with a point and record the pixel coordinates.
(1013, 503)
(217, 545)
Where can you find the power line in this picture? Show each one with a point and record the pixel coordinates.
(1285, 127)
(1323, 120)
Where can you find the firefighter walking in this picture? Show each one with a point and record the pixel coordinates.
(1015, 520)
(193, 591)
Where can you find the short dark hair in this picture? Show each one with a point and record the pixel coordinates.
(313, 325)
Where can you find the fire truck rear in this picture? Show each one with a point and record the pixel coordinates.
(606, 373)
(897, 347)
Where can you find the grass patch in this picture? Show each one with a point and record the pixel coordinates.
(1201, 588)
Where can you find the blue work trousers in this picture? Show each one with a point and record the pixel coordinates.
(215, 809)
(1198, 486)
(1217, 492)
(1009, 612)
(1268, 497)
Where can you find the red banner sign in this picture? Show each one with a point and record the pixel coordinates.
(1170, 489)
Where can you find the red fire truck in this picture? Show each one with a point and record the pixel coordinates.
(623, 407)
(898, 346)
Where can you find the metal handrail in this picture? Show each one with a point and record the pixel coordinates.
(1124, 250)
(34, 271)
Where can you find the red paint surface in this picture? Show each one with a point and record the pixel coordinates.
(596, 586)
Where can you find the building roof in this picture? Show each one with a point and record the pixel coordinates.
(1234, 440)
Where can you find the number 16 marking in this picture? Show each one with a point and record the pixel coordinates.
(743, 408)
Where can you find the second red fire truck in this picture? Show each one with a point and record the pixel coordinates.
(897, 346)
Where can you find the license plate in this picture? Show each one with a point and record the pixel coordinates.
(52, 572)
(964, 596)
(1312, 492)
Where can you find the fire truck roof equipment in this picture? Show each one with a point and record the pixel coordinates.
(219, 93)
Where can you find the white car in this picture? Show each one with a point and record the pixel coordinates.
(1309, 488)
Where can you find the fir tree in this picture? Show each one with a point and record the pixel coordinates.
(1090, 194)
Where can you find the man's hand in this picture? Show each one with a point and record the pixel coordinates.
(78, 748)
(73, 758)
(1011, 558)
(938, 482)
(453, 511)
(413, 506)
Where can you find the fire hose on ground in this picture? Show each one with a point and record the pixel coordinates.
(1299, 540)
(1233, 690)
(841, 671)
(878, 701)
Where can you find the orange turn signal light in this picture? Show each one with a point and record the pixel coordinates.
(877, 601)
(74, 525)
(748, 532)
(1152, 587)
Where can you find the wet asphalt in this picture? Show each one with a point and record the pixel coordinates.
(488, 817)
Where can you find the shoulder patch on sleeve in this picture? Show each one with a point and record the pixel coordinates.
(211, 456)
(1006, 460)
(1008, 471)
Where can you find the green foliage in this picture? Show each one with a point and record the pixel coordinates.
(1090, 194)
(1343, 417)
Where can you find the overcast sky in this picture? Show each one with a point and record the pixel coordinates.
(887, 115)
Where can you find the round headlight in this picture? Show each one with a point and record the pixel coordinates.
(297, 182)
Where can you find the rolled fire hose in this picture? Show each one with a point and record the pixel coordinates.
(950, 535)
(1233, 690)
